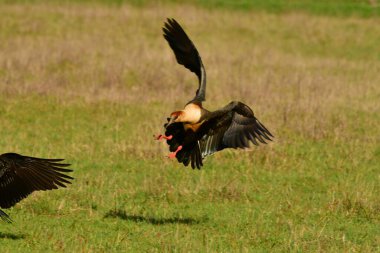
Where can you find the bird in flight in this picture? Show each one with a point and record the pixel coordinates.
(194, 132)
(21, 175)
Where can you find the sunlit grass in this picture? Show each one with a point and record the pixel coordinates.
(92, 83)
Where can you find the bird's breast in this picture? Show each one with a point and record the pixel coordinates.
(193, 127)
(192, 114)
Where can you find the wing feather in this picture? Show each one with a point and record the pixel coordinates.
(192, 158)
(5, 217)
(22, 175)
(235, 126)
(186, 54)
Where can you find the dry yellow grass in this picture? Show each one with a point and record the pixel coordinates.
(292, 68)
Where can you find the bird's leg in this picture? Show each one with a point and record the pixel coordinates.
(160, 137)
(172, 155)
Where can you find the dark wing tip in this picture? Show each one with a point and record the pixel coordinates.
(36, 173)
(171, 25)
(171, 22)
(5, 217)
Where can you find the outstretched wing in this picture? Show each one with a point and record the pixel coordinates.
(186, 54)
(22, 175)
(234, 126)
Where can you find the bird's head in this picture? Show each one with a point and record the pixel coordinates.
(175, 117)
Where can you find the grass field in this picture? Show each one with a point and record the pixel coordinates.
(93, 82)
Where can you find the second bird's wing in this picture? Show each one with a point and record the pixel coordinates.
(22, 175)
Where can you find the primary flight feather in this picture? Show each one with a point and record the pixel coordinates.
(21, 175)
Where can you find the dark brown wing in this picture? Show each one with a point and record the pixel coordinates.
(234, 126)
(22, 175)
(186, 54)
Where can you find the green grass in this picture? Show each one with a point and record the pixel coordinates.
(93, 83)
(327, 7)
(308, 195)
(341, 8)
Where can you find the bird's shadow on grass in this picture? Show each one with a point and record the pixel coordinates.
(11, 236)
(121, 214)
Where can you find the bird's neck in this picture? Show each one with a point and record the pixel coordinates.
(192, 113)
